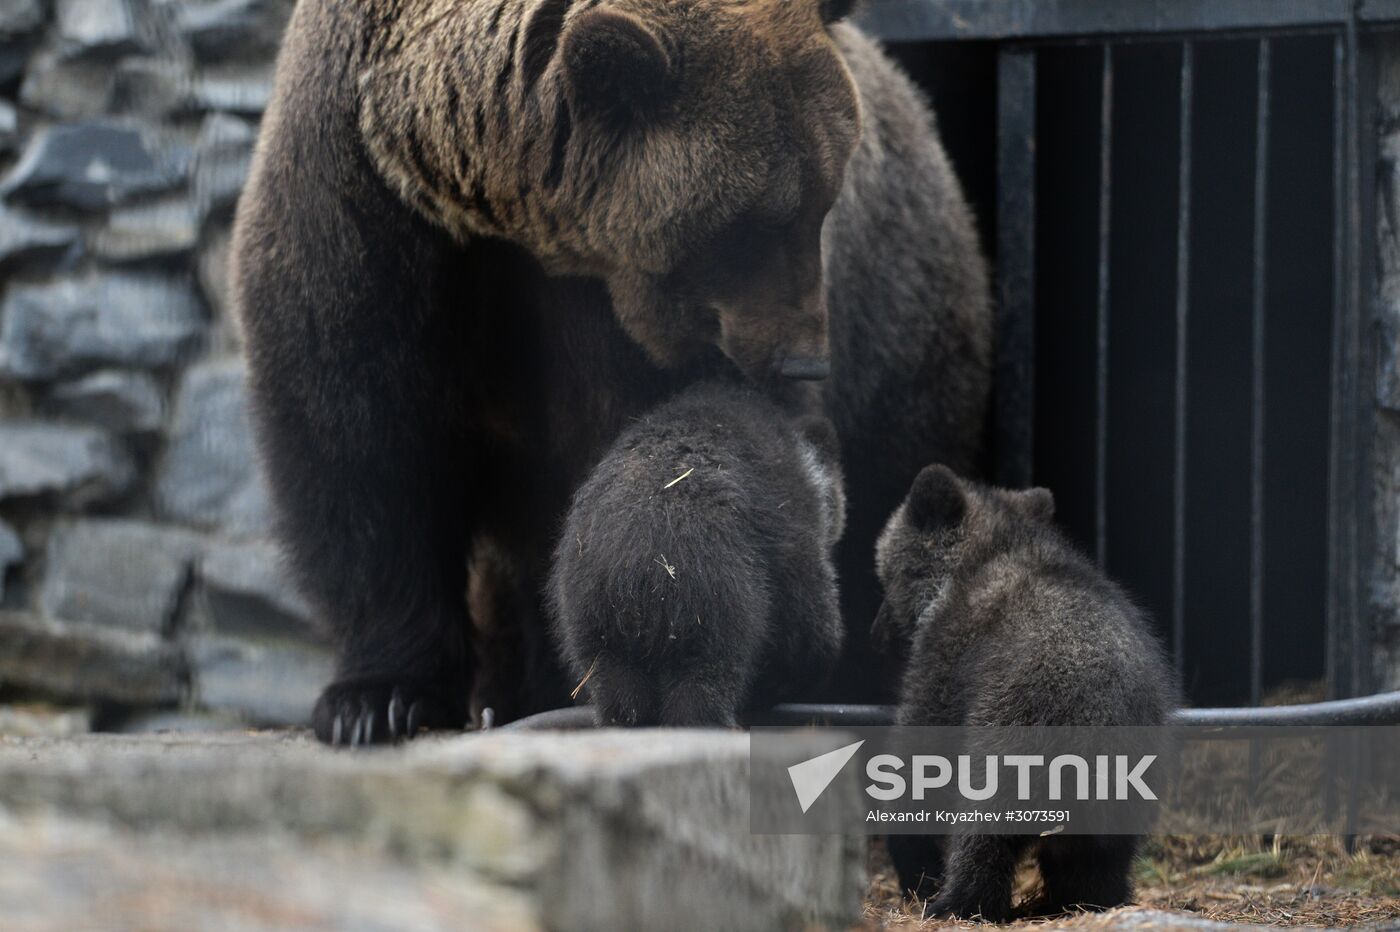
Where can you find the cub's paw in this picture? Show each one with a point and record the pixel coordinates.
(686, 706)
(971, 904)
(355, 713)
(621, 693)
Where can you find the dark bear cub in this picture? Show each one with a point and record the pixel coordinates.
(697, 554)
(1003, 622)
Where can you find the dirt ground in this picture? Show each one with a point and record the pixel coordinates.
(1307, 881)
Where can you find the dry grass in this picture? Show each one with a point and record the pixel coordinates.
(1301, 881)
(1304, 881)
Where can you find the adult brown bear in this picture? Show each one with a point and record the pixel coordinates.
(480, 235)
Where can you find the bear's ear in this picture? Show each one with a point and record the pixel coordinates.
(617, 66)
(836, 10)
(937, 501)
(1039, 504)
(821, 434)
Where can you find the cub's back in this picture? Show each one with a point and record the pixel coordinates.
(1070, 648)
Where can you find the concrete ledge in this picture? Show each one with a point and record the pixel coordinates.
(601, 830)
(63, 875)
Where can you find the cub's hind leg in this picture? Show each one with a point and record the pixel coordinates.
(979, 878)
(1086, 871)
(918, 862)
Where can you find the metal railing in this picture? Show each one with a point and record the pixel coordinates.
(1382, 709)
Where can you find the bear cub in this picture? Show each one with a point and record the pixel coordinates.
(693, 578)
(1004, 622)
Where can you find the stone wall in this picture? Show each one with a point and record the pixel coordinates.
(136, 572)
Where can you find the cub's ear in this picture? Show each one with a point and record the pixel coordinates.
(821, 434)
(936, 501)
(1039, 504)
(617, 66)
(835, 10)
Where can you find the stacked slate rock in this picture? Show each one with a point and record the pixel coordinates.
(138, 586)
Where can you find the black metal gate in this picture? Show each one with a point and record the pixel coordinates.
(1182, 213)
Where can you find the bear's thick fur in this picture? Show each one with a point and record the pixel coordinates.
(694, 575)
(1002, 622)
(479, 237)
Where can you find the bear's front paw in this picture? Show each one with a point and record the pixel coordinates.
(952, 903)
(355, 713)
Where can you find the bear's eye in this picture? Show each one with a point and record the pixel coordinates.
(763, 226)
(747, 246)
(733, 258)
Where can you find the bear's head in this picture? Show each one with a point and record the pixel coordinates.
(708, 141)
(945, 523)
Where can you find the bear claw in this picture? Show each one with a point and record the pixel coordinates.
(363, 714)
(398, 724)
(949, 905)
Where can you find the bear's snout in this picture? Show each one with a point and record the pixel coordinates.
(770, 340)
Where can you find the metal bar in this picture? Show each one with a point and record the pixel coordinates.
(1382, 709)
(1348, 482)
(1101, 352)
(1016, 206)
(1361, 275)
(1257, 438)
(1358, 403)
(575, 718)
(1339, 590)
(800, 714)
(1353, 360)
(1358, 765)
(927, 20)
(1183, 306)
(1339, 442)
